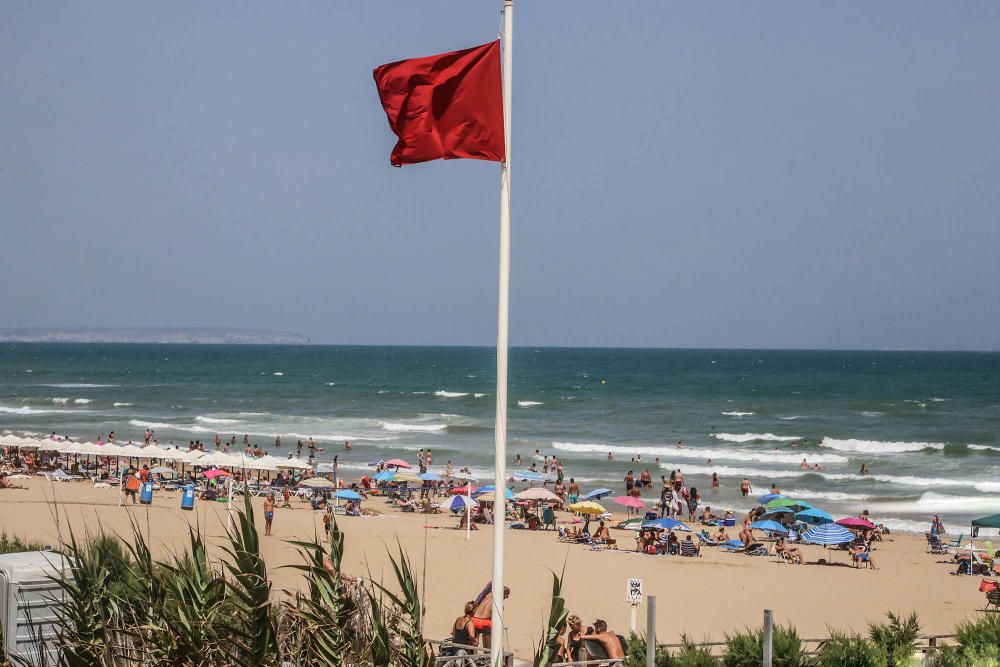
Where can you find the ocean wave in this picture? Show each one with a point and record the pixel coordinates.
(700, 454)
(984, 448)
(28, 410)
(278, 373)
(81, 401)
(736, 413)
(988, 487)
(940, 503)
(806, 494)
(76, 385)
(792, 418)
(528, 404)
(60, 401)
(441, 393)
(877, 447)
(728, 471)
(419, 428)
(750, 437)
(478, 395)
(939, 400)
(268, 431)
(871, 413)
(122, 405)
(904, 525)
(217, 420)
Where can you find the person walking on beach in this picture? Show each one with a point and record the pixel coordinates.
(268, 513)
(132, 484)
(574, 491)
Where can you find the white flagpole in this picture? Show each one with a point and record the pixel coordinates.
(500, 441)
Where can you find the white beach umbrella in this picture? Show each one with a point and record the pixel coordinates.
(130, 451)
(154, 452)
(51, 445)
(537, 493)
(295, 463)
(70, 448)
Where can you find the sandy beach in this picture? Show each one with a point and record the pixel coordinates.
(703, 597)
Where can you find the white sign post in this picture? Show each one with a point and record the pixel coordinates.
(633, 596)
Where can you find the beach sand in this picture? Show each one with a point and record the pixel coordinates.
(704, 597)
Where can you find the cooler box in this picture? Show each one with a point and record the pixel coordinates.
(146, 493)
(27, 605)
(729, 522)
(187, 499)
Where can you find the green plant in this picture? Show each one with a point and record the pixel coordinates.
(977, 643)
(691, 655)
(407, 622)
(844, 650)
(635, 653)
(898, 638)
(548, 645)
(10, 544)
(745, 649)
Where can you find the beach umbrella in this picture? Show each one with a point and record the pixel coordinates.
(398, 463)
(855, 522)
(215, 472)
(455, 503)
(466, 490)
(317, 483)
(777, 511)
(430, 476)
(527, 476)
(797, 505)
(629, 501)
(634, 523)
(537, 493)
(163, 470)
(827, 534)
(666, 523)
(768, 497)
(769, 527)
(814, 515)
(484, 490)
(294, 463)
(597, 494)
(384, 476)
(587, 507)
(347, 494)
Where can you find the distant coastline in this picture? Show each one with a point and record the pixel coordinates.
(190, 336)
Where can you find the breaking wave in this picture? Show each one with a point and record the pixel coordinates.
(750, 437)
(449, 394)
(877, 447)
(417, 428)
(698, 453)
(529, 404)
(737, 414)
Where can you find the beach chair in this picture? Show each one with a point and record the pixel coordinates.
(993, 600)
(706, 540)
(957, 542)
(689, 549)
(935, 546)
(548, 518)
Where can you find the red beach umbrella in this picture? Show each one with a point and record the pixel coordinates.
(465, 490)
(212, 474)
(854, 522)
(629, 501)
(398, 463)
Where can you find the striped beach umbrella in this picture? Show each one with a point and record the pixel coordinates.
(597, 494)
(828, 534)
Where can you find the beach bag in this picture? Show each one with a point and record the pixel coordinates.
(132, 483)
(987, 585)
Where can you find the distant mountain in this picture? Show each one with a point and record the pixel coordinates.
(194, 336)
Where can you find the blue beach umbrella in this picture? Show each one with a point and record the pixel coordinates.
(777, 511)
(430, 476)
(814, 516)
(347, 494)
(383, 476)
(597, 494)
(769, 527)
(827, 534)
(768, 497)
(508, 494)
(666, 523)
(456, 503)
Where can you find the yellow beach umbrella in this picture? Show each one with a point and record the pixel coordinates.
(587, 507)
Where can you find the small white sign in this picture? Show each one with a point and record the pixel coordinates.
(633, 591)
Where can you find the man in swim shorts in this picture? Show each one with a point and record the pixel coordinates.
(268, 513)
(482, 619)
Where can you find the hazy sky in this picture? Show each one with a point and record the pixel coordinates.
(796, 174)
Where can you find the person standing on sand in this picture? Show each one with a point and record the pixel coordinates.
(268, 513)
(483, 616)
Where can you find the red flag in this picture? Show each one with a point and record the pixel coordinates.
(445, 106)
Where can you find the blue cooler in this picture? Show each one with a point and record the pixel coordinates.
(187, 500)
(146, 493)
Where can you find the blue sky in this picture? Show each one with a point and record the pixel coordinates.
(788, 174)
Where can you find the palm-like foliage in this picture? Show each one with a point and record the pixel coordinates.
(548, 645)
(406, 623)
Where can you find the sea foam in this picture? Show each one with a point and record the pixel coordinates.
(736, 413)
(667, 451)
(750, 437)
(441, 393)
(529, 404)
(416, 428)
(877, 447)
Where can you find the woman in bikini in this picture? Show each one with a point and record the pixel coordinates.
(463, 630)
(570, 640)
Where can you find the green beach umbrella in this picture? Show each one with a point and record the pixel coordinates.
(790, 503)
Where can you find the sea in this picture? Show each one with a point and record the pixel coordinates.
(926, 424)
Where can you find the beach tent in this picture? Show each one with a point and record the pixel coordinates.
(992, 521)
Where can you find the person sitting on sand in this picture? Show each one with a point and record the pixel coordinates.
(603, 535)
(793, 553)
(464, 522)
(483, 616)
(607, 639)
(5, 483)
(859, 555)
(721, 535)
